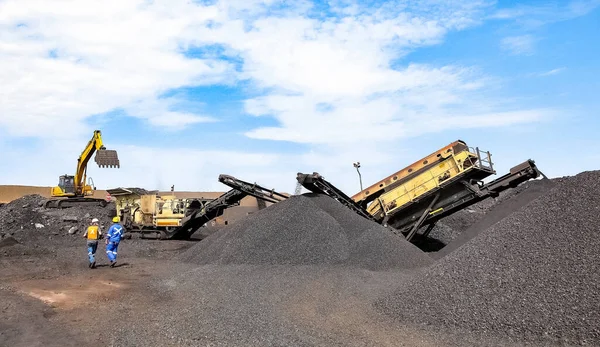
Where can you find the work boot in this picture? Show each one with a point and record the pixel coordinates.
(93, 265)
(113, 263)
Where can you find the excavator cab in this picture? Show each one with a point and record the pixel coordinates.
(67, 184)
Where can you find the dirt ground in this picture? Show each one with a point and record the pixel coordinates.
(49, 297)
(149, 299)
(52, 299)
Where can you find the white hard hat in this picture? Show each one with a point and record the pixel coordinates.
(95, 220)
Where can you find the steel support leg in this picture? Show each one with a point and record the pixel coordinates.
(423, 216)
(428, 230)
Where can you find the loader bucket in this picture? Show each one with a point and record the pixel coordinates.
(107, 158)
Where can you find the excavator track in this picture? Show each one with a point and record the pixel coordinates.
(66, 203)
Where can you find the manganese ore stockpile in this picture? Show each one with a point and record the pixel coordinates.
(304, 230)
(533, 275)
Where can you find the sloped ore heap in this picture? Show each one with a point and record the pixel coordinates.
(533, 275)
(307, 229)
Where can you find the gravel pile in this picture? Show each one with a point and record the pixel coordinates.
(533, 276)
(26, 219)
(504, 206)
(473, 218)
(307, 229)
(21, 214)
(81, 216)
(257, 305)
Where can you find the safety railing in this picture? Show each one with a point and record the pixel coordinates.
(484, 158)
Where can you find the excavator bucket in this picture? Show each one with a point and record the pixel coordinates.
(107, 158)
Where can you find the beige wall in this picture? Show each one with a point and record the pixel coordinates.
(9, 193)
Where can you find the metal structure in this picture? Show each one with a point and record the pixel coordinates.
(240, 189)
(421, 194)
(73, 189)
(252, 189)
(148, 212)
(357, 166)
(317, 184)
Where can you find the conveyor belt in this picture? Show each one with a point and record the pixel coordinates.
(190, 224)
(436, 204)
(317, 184)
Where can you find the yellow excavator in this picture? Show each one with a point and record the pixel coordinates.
(73, 190)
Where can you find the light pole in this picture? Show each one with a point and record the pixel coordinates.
(357, 166)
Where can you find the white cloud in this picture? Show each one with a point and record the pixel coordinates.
(83, 58)
(342, 84)
(63, 61)
(346, 64)
(148, 167)
(553, 72)
(546, 13)
(523, 44)
(160, 112)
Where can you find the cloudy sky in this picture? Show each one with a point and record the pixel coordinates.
(185, 90)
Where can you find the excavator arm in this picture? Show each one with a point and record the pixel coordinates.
(104, 158)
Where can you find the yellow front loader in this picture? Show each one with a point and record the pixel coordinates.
(73, 190)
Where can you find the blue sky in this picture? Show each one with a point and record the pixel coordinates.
(265, 89)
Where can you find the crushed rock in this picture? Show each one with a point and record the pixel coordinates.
(307, 229)
(533, 276)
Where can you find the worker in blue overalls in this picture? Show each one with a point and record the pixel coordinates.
(113, 237)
